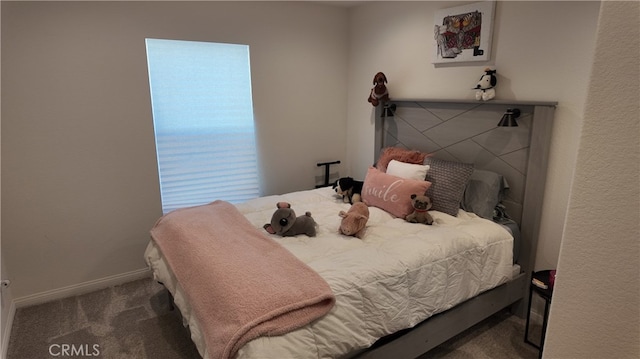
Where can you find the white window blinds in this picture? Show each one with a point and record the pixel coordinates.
(203, 120)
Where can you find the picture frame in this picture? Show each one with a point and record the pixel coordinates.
(463, 33)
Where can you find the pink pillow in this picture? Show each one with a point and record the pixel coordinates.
(399, 154)
(391, 193)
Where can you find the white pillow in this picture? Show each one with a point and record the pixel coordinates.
(407, 170)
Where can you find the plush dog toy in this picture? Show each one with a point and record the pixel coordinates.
(285, 223)
(354, 220)
(421, 204)
(379, 91)
(485, 87)
(349, 189)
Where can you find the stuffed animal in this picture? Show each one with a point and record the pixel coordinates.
(349, 189)
(285, 223)
(354, 220)
(485, 87)
(421, 204)
(379, 91)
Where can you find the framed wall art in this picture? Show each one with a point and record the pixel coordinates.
(463, 33)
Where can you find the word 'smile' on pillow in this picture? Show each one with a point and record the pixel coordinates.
(391, 193)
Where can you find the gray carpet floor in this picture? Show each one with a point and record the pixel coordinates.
(133, 321)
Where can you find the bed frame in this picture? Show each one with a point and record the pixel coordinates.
(466, 131)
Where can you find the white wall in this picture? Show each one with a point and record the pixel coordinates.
(542, 51)
(79, 179)
(595, 311)
(6, 296)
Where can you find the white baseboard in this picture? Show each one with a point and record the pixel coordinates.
(7, 329)
(80, 288)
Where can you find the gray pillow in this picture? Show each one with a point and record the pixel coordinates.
(448, 180)
(484, 190)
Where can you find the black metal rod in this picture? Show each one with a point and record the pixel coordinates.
(326, 172)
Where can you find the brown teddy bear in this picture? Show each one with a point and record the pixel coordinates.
(421, 204)
(354, 220)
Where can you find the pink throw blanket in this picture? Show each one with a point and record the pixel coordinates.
(240, 283)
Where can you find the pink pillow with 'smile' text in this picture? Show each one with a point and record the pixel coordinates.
(391, 193)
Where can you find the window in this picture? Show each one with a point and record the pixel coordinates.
(203, 121)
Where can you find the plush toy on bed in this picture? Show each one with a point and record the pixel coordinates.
(285, 223)
(354, 220)
(379, 91)
(485, 88)
(421, 205)
(349, 189)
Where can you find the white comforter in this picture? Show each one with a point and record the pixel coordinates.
(398, 275)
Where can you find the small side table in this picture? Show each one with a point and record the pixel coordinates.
(540, 280)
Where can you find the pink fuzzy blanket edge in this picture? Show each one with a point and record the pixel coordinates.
(240, 283)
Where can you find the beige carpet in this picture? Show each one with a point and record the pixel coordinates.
(133, 321)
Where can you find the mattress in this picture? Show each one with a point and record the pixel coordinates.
(396, 276)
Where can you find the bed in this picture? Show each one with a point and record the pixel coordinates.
(403, 288)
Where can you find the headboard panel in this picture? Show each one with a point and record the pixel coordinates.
(467, 131)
